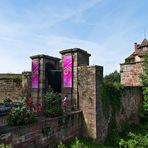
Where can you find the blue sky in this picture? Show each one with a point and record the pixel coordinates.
(105, 28)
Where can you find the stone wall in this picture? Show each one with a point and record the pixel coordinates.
(130, 73)
(15, 86)
(87, 99)
(45, 133)
(131, 103)
(10, 86)
(89, 90)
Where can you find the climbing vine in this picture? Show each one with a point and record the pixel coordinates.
(144, 79)
(111, 100)
(111, 93)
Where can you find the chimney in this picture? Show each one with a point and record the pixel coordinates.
(135, 46)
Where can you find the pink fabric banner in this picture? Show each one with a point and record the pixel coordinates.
(67, 71)
(35, 73)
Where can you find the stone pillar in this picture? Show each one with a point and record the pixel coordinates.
(89, 88)
(38, 94)
(80, 58)
(26, 84)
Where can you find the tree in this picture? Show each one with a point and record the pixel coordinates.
(112, 78)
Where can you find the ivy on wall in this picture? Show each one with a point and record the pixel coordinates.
(144, 79)
(111, 93)
(111, 100)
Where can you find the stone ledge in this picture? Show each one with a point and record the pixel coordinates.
(132, 63)
(72, 50)
(45, 56)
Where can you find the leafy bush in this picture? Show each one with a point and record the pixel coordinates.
(21, 115)
(54, 112)
(134, 141)
(7, 101)
(53, 104)
(78, 144)
(112, 91)
(112, 78)
(61, 146)
(136, 137)
(82, 143)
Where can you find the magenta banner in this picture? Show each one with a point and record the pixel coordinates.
(67, 71)
(35, 73)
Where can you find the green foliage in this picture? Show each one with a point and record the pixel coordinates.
(136, 137)
(61, 146)
(144, 79)
(145, 103)
(78, 144)
(112, 91)
(112, 78)
(7, 101)
(113, 137)
(54, 112)
(53, 104)
(111, 100)
(134, 141)
(82, 143)
(144, 76)
(21, 115)
(5, 145)
(130, 60)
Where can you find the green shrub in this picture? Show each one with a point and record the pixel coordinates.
(82, 143)
(78, 144)
(111, 93)
(53, 104)
(21, 115)
(61, 146)
(134, 141)
(54, 112)
(7, 101)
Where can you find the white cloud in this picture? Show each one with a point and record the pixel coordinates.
(50, 45)
(28, 29)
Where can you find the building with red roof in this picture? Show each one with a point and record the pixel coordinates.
(132, 68)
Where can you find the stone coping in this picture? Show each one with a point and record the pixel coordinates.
(45, 56)
(131, 63)
(89, 66)
(74, 50)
